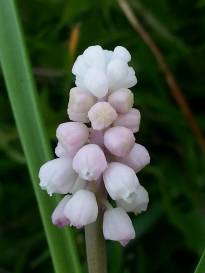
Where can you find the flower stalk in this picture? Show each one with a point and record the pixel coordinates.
(95, 246)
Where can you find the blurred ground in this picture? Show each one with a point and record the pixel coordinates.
(171, 235)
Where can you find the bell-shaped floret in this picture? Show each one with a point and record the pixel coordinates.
(117, 226)
(137, 159)
(57, 176)
(90, 162)
(120, 180)
(81, 209)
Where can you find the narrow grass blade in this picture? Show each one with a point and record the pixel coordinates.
(22, 95)
(201, 265)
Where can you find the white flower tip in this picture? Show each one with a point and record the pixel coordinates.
(122, 53)
(96, 82)
(94, 55)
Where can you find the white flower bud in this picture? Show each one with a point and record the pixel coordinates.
(57, 176)
(122, 53)
(94, 56)
(90, 162)
(136, 202)
(117, 226)
(81, 209)
(117, 71)
(137, 159)
(108, 55)
(120, 180)
(131, 78)
(79, 67)
(58, 216)
(96, 82)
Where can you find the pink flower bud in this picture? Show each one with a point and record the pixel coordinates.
(57, 176)
(102, 115)
(120, 180)
(96, 82)
(136, 202)
(90, 162)
(97, 137)
(79, 104)
(137, 159)
(81, 209)
(117, 226)
(60, 151)
(79, 117)
(122, 100)
(58, 216)
(130, 120)
(72, 136)
(119, 140)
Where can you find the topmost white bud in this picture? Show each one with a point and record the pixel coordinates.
(122, 53)
(101, 71)
(94, 56)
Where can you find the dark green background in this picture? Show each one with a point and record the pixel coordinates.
(171, 234)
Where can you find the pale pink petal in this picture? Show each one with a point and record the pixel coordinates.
(90, 162)
(130, 120)
(72, 136)
(119, 140)
(80, 101)
(137, 159)
(58, 216)
(120, 180)
(57, 176)
(81, 209)
(136, 202)
(122, 100)
(117, 226)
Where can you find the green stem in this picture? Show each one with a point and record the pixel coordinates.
(95, 246)
(23, 97)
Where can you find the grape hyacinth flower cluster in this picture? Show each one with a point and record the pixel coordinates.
(97, 157)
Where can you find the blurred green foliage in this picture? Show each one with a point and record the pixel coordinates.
(171, 234)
